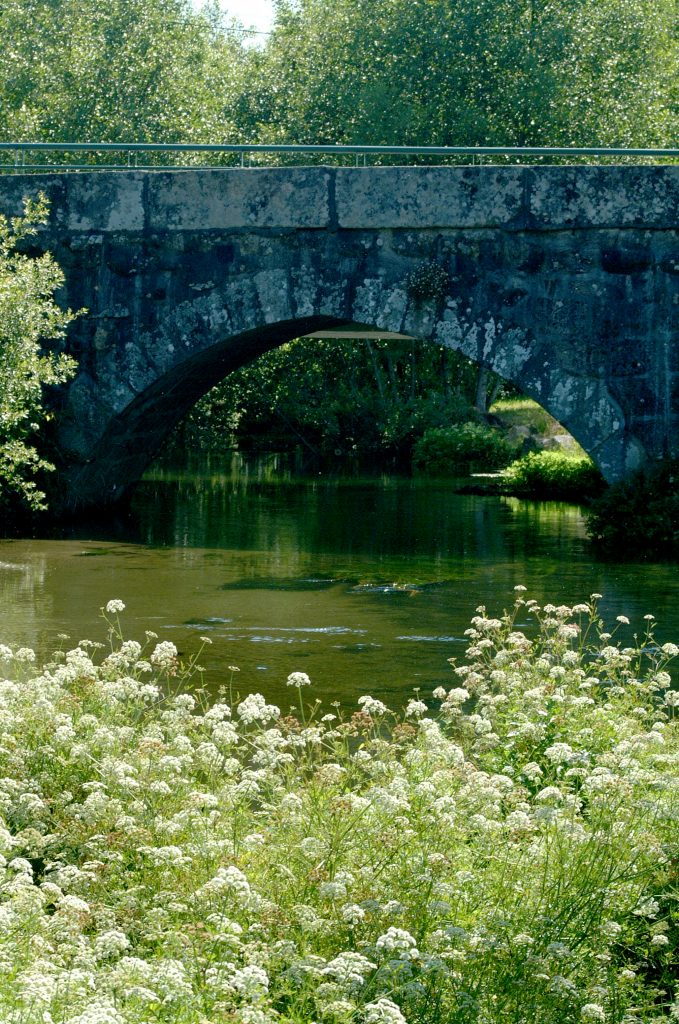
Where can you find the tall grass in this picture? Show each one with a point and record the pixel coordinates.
(502, 852)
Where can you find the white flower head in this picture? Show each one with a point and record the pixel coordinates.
(298, 679)
(164, 654)
(349, 969)
(383, 1011)
(115, 606)
(592, 1011)
(398, 941)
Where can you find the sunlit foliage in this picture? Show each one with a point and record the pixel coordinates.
(29, 316)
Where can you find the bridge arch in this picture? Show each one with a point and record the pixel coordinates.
(561, 280)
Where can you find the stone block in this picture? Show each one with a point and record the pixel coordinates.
(428, 197)
(219, 198)
(603, 197)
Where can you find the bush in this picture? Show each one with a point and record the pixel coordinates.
(555, 475)
(639, 515)
(443, 451)
(29, 316)
(504, 852)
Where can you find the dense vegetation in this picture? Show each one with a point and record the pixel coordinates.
(365, 397)
(501, 72)
(504, 850)
(640, 515)
(555, 474)
(29, 316)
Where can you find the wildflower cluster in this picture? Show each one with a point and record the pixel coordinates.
(502, 853)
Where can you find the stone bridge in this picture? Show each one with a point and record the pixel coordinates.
(564, 280)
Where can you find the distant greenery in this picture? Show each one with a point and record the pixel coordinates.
(526, 412)
(640, 515)
(554, 474)
(502, 850)
(336, 397)
(28, 317)
(445, 451)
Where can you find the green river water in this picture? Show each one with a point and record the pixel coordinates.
(366, 584)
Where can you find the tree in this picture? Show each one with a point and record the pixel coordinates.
(28, 316)
(473, 72)
(367, 397)
(124, 70)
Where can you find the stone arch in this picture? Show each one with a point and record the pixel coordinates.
(134, 434)
(561, 279)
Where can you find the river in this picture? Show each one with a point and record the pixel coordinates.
(365, 583)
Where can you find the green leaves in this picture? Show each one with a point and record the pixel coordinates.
(479, 72)
(127, 70)
(28, 316)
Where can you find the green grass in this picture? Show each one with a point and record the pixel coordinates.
(502, 851)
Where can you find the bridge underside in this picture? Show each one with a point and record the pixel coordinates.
(564, 281)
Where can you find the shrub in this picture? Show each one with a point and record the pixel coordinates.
(555, 475)
(29, 316)
(443, 451)
(502, 852)
(640, 515)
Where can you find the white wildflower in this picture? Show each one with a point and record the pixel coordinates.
(559, 753)
(400, 941)
(415, 709)
(458, 695)
(352, 913)
(115, 606)
(164, 655)
(255, 709)
(108, 944)
(383, 1011)
(592, 1011)
(252, 982)
(298, 679)
(98, 1013)
(349, 969)
(372, 706)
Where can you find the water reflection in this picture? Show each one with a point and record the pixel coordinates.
(366, 584)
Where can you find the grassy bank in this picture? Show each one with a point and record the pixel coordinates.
(504, 850)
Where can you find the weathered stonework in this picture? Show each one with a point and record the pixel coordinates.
(565, 280)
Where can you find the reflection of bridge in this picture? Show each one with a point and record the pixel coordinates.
(564, 280)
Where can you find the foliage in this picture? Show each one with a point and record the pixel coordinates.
(446, 450)
(639, 515)
(477, 72)
(336, 397)
(555, 475)
(504, 851)
(126, 70)
(525, 412)
(28, 316)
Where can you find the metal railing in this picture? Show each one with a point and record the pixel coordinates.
(33, 157)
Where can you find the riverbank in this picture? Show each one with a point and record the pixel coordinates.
(503, 849)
